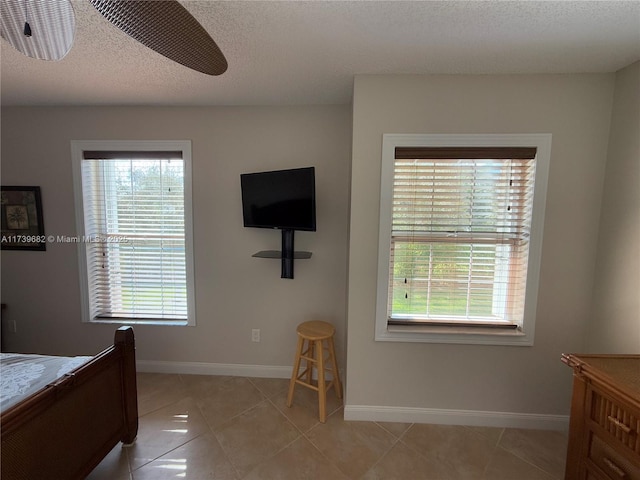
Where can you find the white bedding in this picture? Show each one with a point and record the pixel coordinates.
(22, 375)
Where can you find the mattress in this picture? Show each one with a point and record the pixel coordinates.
(22, 375)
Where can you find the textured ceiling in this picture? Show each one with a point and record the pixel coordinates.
(301, 52)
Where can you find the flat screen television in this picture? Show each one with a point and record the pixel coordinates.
(283, 199)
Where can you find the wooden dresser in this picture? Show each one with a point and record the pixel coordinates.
(604, 430)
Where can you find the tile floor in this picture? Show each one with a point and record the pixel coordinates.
(214, 427)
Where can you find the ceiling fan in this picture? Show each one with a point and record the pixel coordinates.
(45, 29)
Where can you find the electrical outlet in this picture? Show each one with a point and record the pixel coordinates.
(255, 335)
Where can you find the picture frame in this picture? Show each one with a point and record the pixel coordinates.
(21, 219)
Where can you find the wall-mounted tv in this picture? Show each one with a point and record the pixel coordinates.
(284, 199)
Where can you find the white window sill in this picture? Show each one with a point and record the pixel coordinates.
(454, 335)
(131, 321)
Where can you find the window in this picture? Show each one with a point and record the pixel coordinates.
(460, 237)
(133, 211)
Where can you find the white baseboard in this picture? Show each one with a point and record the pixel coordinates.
(201, 368)
(230, 369)
(456, 417)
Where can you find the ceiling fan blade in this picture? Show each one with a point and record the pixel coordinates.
(39, 29)
(169, 29)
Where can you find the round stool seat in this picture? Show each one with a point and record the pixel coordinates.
(316, 330)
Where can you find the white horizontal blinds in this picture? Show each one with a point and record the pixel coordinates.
(134, 221)
(460, 235)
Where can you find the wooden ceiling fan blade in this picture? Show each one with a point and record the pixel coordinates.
(169, 29)
(39, 29)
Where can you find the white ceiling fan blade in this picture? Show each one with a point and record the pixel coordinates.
(51, 23)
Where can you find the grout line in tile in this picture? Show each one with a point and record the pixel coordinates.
(273, 404)
(212, 429)
(322, 454)
(528, 462)
(159, 408)
(272, 456)
(515, 454)
(268, 400)
(182, 387)
(317, 422)
(259, 389)
(126, 451)
(396, 440)
(230, 419)
(406, 445)
(395, 443)
(486, 466)
(235, 469)
(132, 470)
(381, 425)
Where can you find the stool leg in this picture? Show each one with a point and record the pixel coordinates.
(294, 374)
(337, 384)
(309, 363)
(322, 388)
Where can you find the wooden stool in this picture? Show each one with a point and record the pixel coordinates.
(316, 334)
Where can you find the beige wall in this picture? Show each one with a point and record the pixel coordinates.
(576, 110)
(615, 326)
(234, 292)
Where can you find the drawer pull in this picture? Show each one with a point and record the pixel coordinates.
(619, 424)
(614, 468)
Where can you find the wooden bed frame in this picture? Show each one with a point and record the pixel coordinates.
(66, 429)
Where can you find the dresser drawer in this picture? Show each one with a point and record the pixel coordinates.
(611, 462)
(621, 424)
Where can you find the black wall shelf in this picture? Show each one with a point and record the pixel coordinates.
(287, 254)
(278, 254)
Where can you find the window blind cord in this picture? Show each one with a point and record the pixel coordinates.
(510, 186)
(408, 287)
(472, 209)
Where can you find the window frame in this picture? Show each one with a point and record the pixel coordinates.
(523, 336)
(78, 147)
